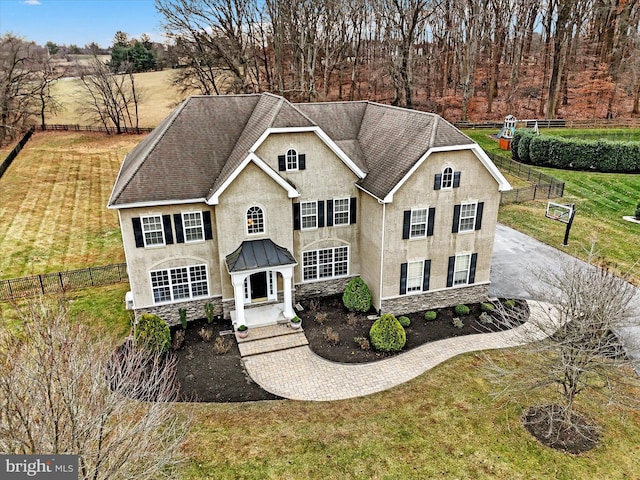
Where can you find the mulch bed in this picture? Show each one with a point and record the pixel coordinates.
(546, 423)
(207, 375)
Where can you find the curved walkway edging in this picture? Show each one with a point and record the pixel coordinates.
(300, 374)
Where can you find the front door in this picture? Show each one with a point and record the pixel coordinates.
(260, 287)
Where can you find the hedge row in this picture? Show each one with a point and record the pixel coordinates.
(570, 153)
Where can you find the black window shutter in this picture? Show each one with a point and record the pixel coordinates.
(452, 265)
(406, 224)
(320, 207)
(137, 231)
(208, 228)
(302, 161)
(296, 216)
(177, 221)
(431, 221)
(437, 181)
(456, 179)
(329, 213)
(168, 235)
(472, 268)
(353, 209)
(425, 275)
(403, 279)
(456, 219)
(282, 166)
(479, 215)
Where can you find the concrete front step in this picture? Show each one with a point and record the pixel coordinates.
(271, 339)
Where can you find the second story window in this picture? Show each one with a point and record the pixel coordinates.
(447, 178)
(152, 230)
(309, 215)
(255, 220)
(193, 227)
(467, 217)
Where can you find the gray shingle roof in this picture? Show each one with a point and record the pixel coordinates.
(194, 150)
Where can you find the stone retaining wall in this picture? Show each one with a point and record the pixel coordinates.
(195, 310)
(308, 291)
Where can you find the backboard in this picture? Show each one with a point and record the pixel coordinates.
(557, 211)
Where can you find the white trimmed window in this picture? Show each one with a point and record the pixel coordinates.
(415, 276)
(192, 226)
(418, 227)
(152, 230)
(292, 159)
(309, 215)
(341, 211)
(255, 220)
(461, 269)
(325, 263)
(447, 178)
(467, 217)
(179, 283)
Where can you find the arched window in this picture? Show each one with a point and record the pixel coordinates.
(255, 220)
(292, 159)
(447, 178)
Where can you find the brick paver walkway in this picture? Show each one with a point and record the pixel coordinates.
(300, 374)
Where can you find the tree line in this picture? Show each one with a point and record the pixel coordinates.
(427, 54)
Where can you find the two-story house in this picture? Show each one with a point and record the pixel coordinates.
(243, 201)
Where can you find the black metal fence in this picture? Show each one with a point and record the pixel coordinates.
(544, 186)
(14, 153)
(58, 282)
(90, 128)
(557, 123)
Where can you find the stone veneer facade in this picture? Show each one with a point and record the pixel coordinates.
(438, 299)
(195, 310)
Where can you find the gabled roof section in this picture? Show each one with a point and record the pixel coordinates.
(258, 254)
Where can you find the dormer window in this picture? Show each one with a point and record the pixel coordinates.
(255, 220)
(291, 161)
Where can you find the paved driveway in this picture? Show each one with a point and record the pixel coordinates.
(519, 261)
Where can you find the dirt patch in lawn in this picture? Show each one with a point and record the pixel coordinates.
(210, 368)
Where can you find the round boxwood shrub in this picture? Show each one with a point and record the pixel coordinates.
(430, 315)
(487, 307)
(404, 321)
(462, 310)
(152, 333)
(387, 335)
(510, 304)
(357, 297)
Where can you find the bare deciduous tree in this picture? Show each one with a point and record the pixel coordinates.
(575, 345)
(64, 389)
(109, 98)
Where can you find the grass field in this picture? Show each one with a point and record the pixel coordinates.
(159, 98)
(53, 199)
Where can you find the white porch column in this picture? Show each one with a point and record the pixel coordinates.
(238, 295)
(287, 275)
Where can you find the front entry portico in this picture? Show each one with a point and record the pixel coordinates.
(254, 268)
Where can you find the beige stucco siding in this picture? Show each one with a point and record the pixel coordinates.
(252, 187)
(146, 259)
(326, 177)
(476, 185)
(371, 235)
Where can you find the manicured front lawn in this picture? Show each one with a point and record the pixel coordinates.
(444, 424)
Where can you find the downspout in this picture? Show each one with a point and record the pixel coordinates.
(384, 211)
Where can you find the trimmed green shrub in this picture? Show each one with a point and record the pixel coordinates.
(430, 315)
(356, 296)
(405, 321)
(638, 211)
(462, 310)
(523, 146)
(509, 304)
(517, 135)
(182, 313)
(387, 335)
(209, 312)
(152, 333)
(487, 307)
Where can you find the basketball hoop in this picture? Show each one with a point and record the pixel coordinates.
(561, 213)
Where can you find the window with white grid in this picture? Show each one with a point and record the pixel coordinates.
(309, 215)
(292, 159)
(255, 220)
(467, 217)
(325, 263)
(193, 226)
(461, 269)
(414, 276)
(447, 178)
(341, 211)
(418, 223)
(152, 230)
(179, 283)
